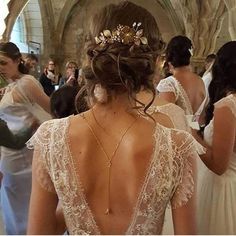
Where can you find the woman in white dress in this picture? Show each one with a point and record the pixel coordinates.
(184, 88)
(217, 196)
(113, 170)
(23, 100)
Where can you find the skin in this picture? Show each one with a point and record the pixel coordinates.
(191, 83)
(129, 167)
(30, 64)
(218, 155)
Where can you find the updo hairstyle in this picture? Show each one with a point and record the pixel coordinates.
(178, 51)
(10, 50)
(122, 68)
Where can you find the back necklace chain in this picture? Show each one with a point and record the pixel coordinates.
(109, 159)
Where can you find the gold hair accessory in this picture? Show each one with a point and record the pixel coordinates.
(122, 34)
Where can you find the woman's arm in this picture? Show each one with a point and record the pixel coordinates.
(43, 205)
(218, 156)
(168, 96)
(184, 217)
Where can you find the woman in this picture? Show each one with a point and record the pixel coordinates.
(23, 99)
(49, 78)
(184, 88)
(116, 170)
(217, 212)
(71, 74)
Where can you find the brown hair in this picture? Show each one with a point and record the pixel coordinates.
(10, 50)
(118, 67)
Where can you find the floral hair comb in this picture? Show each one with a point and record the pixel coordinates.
(122, 34)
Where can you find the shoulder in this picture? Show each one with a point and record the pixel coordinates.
(51, 126)
(28, 81)
(47, 131)
(168, 80)
(167, 85)
(228, 102)
(171, 108)
(163, 119)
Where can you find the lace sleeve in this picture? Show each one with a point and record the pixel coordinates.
(167, 85)
(40, 143)
(229, 101)
(187, 150)
(33, 92)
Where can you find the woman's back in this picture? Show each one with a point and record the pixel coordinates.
(194, 88)
(137, 190)
(128, 166)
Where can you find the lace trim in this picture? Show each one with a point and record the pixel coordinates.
(40, 142)
(81, 191)
(143, 186)
(175, 113)
(188, 149)
(165, 177)
(171, 84)
(185, 100)
(166, 85)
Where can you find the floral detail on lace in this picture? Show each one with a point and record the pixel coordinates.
(175, 113)
(169, 176)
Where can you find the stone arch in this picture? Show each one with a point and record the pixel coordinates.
(15, 8)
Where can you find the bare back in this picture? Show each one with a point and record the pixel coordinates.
(194, 88)
(129, 166)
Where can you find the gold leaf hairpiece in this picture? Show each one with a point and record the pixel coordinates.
(122, 34)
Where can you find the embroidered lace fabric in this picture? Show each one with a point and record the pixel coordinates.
(169, 177)
(175, 113)
(170, 84)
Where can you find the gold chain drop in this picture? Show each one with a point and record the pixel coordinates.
(109, 159)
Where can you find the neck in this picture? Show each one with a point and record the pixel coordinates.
(119, 105)
(16, 77)
(182, 69)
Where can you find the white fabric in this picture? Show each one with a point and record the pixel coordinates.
(217, 196)
(16, 107)
(175, 113)
(23, 89)
(178, 118)
(169, 176)
(170, 84)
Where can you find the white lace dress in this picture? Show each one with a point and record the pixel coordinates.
(177, 117)
(217, 196)
(170, 84)
(15, 108)
(175, 113)
(169, 176)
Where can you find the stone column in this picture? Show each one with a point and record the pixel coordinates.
(231, 7)
(203, 21)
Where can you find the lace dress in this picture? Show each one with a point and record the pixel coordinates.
(16, 164)
(175, 113)
(169, 176)
(170, 84)
(177, 117)
(217, 197)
